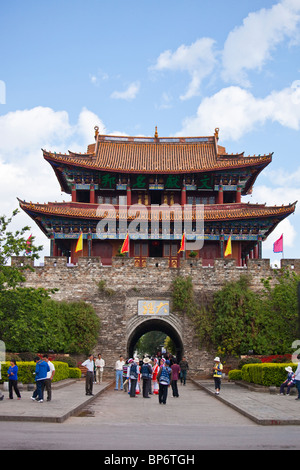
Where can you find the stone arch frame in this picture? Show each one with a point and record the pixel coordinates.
(170, 325)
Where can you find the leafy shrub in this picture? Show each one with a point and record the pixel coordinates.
(235, 374)
(74, 373)
(26, 372)
(266, 374)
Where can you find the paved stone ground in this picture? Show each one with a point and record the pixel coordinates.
(112, 421)
(262, 408)
(70, 400)
(66, 401)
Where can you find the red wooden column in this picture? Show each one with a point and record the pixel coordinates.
(183, 195)
(128, 194)
(55, 248)
(238, 193)
(220, 194)
(92, 194)
(74, 195)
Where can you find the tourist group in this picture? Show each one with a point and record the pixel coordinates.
(44, 372)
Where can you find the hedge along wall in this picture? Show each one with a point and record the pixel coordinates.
(26, 372)
(266, 374)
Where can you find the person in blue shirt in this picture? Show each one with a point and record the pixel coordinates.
(41, 370)
(12, 373)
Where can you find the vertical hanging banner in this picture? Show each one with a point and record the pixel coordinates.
(228, 250)
(79, 244)
(125, 246)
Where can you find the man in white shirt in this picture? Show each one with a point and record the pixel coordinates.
(100, 364)
(89, 379)
(48, 380)
(119, 373)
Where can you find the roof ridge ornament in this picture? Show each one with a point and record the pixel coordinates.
(217, 133)
(156, 133)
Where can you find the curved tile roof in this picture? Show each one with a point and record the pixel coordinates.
(156, 155)
(212, 212)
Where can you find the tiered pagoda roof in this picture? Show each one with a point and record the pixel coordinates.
(164, 155)
(213, 212)
(183, 171)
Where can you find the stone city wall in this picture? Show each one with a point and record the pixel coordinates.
(115, 302)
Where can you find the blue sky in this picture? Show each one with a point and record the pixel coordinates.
(185, 67)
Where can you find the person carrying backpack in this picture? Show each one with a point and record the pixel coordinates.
(146, 373)
(132, 374)
(164, 378)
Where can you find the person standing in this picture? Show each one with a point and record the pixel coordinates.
(12, 373)
(146, 373)
(184, 367)
(132, 374)
(100, 364)
(218, 370)
(164, 378)
(154, 377)
(48, 382)
(89, 378)
(175, 376)
(41, 371)
(119, 372)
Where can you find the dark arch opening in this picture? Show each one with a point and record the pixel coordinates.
(155, 325)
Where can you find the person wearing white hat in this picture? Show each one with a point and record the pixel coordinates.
(146, 373)
(289, 382)
(217, 374)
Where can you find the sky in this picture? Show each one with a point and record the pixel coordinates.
(186, 67)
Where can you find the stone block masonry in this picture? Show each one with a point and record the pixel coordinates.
(123, 284)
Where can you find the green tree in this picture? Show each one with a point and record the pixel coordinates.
(150, 342)
(14, 244)
(239, 319)
(29, 319)
(234, 312)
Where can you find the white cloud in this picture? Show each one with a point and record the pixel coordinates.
(289, 235)
(236, 112)
(276, 196)
(129, 94)
(23, 171)
(23, 130)
(249, 46)
(166, 101)
(98, 77)
(198, 60)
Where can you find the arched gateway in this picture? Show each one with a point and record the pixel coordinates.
(171, 326)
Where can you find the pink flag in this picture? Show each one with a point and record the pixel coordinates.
(278, 245)
(28, 243)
